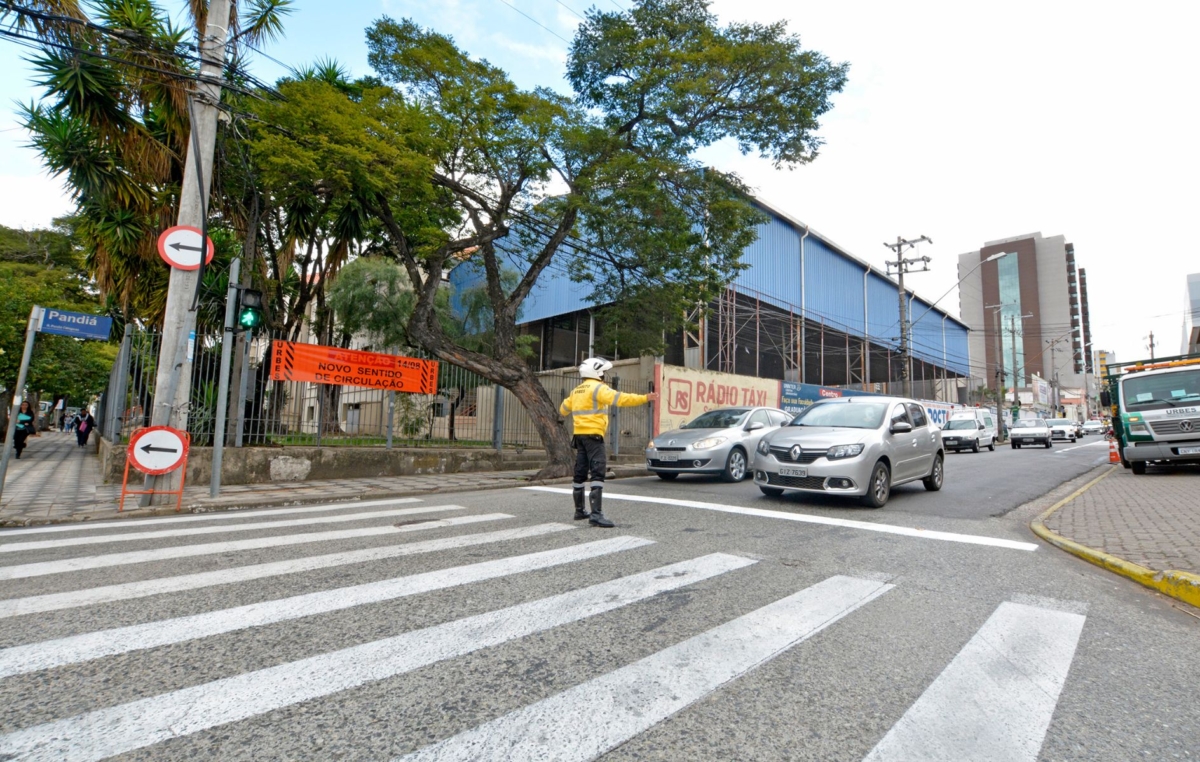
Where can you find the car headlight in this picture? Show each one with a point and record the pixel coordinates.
(763, 447)
(844, 451)
(1137, 428)
(705, 444)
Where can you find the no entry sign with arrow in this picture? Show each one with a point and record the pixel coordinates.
(180, 247)
(158, 449)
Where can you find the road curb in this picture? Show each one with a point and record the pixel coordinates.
(1184, 586)
(250, 501)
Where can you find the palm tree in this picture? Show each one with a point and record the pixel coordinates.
(114, 123)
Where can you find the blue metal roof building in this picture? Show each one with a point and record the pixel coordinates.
(804, 309)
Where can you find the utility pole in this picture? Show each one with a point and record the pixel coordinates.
(1054, 376)
(1012, 323)
(903, 266)
(173, 386)
(1000, 376)
(1151, 345)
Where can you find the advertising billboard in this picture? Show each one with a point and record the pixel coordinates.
(687, 392)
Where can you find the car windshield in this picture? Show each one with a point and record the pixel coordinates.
(719, 419)
(962, 423)
(1030, 423)
(1163, 391)
(848, 415)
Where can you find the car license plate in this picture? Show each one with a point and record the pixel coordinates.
(668, 457)
(1028, 441)
(800, 472)
(1189, 450)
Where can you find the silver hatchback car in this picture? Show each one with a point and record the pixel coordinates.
(720, 441)
(855, 446)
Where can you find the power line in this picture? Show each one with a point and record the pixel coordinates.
(531, 18)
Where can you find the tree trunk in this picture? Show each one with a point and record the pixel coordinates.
(544, 414)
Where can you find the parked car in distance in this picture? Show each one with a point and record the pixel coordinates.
(854, 446)
(970, 430)
(721, 441)
(1030, 431)
(1063, 429)
(1094, 427)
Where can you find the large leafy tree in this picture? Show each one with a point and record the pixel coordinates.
(604, 182)
(46, 268)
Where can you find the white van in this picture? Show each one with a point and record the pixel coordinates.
(970, 429)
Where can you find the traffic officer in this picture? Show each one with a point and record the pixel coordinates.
(588, 407)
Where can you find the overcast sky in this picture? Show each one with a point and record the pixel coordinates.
(964, 122)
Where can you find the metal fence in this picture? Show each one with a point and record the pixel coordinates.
(465, 412)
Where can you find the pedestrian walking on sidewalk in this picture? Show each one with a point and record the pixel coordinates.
(25, 427)
(83, 429)
(588, 406)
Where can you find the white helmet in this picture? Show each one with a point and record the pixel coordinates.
(594, 367)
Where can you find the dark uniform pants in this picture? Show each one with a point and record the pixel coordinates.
(590, 458)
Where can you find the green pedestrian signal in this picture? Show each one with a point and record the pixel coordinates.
(250, 312)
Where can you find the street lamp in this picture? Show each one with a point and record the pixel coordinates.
(908, 329)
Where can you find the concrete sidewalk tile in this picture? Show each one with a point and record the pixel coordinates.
(1146, 527)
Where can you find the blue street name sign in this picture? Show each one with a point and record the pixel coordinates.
(76, 324)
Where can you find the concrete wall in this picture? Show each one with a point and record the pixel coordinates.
(261, 465)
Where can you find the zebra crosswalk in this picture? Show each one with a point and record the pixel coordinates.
(993, 700)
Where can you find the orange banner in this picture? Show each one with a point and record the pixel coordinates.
(349, 367)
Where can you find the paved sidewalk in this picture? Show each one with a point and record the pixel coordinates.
(57, 481)
(53, 474)
(1145, 527)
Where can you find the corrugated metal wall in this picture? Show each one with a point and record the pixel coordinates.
(833, 287)
(774, 260)
(832, 281)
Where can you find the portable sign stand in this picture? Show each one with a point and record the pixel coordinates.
(78, 325)
(155, 451)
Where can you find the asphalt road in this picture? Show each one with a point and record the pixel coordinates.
(712, 624)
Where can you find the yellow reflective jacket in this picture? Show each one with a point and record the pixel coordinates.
(588, 405)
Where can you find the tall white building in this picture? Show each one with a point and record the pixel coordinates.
(1191, 316)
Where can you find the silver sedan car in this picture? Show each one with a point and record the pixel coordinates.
(858, 446)
(720, 441)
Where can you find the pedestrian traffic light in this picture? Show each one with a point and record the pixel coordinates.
(250, 312)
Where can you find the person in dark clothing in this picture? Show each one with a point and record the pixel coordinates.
(84, 429)
(25, 427)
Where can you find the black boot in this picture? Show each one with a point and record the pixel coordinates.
(597, 518)
(580, 513)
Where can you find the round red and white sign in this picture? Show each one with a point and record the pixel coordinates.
(158, 449)
(180, 247)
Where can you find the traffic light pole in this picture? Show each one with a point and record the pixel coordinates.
(227, 342)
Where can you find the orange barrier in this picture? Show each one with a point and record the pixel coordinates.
(349, 367)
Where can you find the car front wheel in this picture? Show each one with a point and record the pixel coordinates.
(1139, 466)
(975, 447)
(879, 488)
(991, 445)
(666, 476)
(735, 466)
(933, 482)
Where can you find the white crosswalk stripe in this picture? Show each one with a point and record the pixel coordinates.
(639, 696)
(137, 523)
(134, 725)
(93, 645)
(42, 568)
(995, 699)
(341, 518)
(129, 590)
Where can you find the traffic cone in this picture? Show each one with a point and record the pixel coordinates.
(1113, 455)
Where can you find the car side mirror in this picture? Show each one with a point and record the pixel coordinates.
(755, 426)
(901, 427)
(1105, 398)
(982, 427)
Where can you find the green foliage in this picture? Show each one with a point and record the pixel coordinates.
(372, 297)
(44, 267)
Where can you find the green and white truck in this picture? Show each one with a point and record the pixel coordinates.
(1155, 408)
